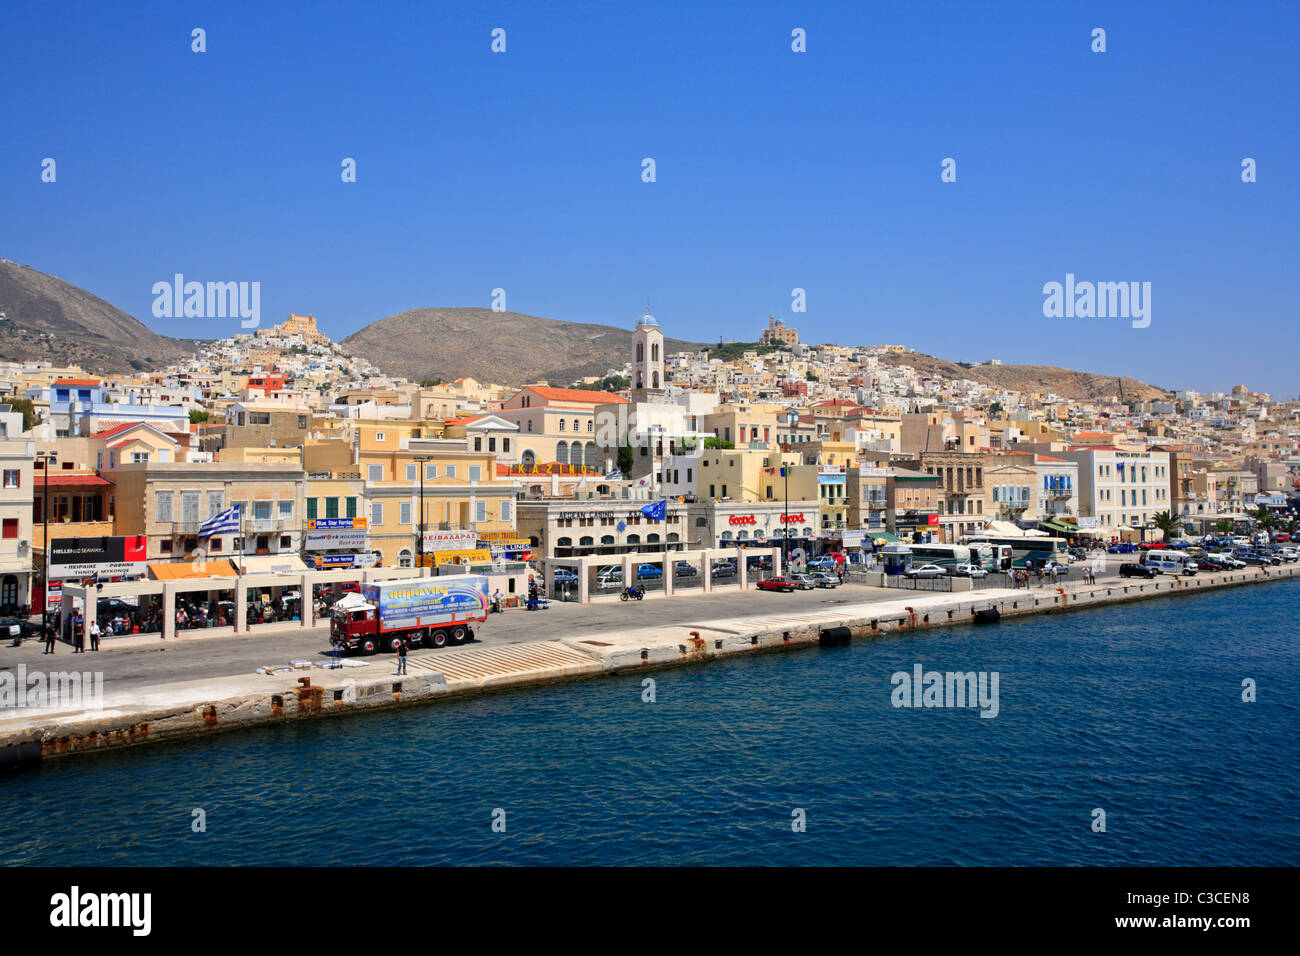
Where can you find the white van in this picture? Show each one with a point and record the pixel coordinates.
(1170, 562)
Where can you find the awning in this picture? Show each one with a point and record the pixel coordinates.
(1058, 526)
(179, 570)
(270, 564)
(352, 602)
(884, 536)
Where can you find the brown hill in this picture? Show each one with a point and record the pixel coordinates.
(49, 319)
(506, 347)
(1032, 378)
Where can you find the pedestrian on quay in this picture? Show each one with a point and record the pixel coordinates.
(50, 634)
(401, 657)
(94, 635)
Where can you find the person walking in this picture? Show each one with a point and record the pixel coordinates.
(94, 635)
(50, 634)
(401, 657)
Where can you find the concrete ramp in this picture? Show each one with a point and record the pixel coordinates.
(504, 664)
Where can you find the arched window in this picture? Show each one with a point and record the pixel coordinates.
(606, 539)
(529, 458)
(652, 539)
(562, 451)
(404, 558)
(590, 455)
(575, 453)
(586, 542)
(564, 543)
(654, 352)
(591, 422)
(673, 538)
(654, 378)
(742, 534)
(634, 539)
(575, 425)
(726, 536)
(640, 352)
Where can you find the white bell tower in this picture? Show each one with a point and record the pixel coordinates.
(647, 355)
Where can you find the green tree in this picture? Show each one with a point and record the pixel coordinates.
(625, 459)
(1224, 526)
(25, 406)
(714, 442)
(1264, 518)
(199, 415)
(430, 382)
(1169, 523)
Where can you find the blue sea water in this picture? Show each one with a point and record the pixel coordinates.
(1135, 710)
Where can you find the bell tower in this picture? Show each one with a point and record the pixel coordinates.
(647, 356)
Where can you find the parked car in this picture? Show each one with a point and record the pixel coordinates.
(1078, 554)
(685, 569)
(824, 563)
(649, 571)
(1131, 569)
(762, 562)
(724, 569)
(13, 628)
(568, 576)
(969, 571)
(825, 579)
(1057, 566)
(926, 571)
(804, 582)
(1124, 547)
(779, 583)
(610, 575)
(1205, 564)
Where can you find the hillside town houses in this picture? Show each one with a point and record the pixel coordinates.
(334, 464)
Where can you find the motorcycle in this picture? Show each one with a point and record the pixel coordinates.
(632, 591)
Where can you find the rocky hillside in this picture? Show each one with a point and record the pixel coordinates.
(506, 347)
(1032, 378)
(47, 318)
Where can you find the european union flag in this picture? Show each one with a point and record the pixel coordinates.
(657, 511)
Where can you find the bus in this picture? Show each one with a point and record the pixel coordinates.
(1027, 548)
(947, 556)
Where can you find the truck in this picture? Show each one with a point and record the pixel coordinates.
(428, 612)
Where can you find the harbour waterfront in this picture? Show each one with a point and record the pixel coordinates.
(1134, 709)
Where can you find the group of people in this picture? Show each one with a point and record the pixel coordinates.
(74, 632)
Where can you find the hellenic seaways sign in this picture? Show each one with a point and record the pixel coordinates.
(87, 557)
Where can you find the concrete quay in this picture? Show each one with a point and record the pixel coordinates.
(177, 710)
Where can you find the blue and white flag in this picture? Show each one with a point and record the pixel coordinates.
(615, 475)
(657, 511)
(227, 522)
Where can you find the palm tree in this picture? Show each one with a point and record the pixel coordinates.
(1167, 522)
(1224, 526)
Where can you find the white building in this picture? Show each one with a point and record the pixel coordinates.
(1122, 490)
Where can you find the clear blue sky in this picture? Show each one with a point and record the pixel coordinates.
(775, 170)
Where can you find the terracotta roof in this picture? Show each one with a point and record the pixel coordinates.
(115, 430)
(464, 420)
(576, 395)
(65, 480)
(80, 381)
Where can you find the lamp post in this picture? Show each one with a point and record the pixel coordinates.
(419, 541)
(47, 458)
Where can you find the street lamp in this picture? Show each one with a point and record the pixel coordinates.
(419, 541)
(47, 458)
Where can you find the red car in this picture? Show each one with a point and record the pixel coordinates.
(779, 583)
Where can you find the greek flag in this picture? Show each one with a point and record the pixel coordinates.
(614, 475)
(227, 522)
(657, 511)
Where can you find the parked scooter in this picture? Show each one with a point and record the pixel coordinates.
(632, 591)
